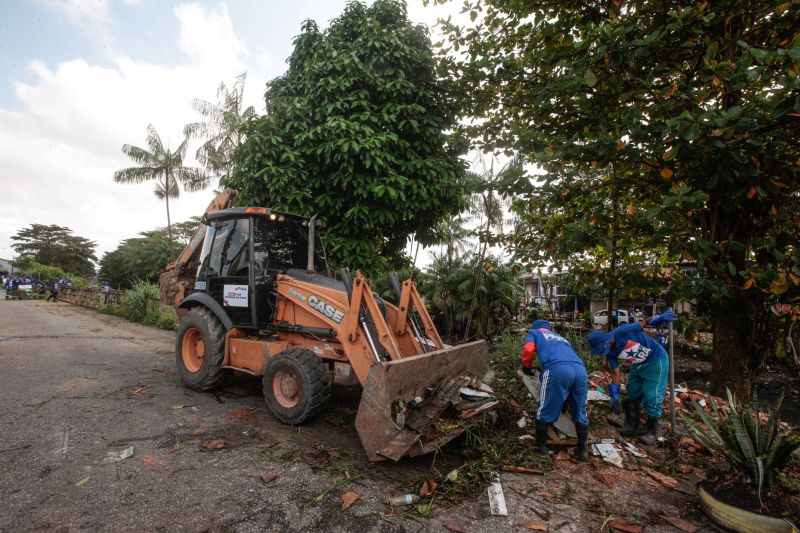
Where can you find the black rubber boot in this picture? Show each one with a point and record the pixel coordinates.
(631, 419)
(650, 435)
(582, 451)
(541, 437)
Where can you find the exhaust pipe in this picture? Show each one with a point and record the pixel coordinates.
(312, 226)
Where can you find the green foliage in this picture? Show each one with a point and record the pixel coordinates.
(751, 446)
(223, 132)
(27, 265)
(135, 306)
(143, 258)
(451, 286)
(665, 130)
(57, 247)
(165, 167)
(356, 131)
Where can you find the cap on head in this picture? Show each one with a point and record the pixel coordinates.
(598, 340)
(540, 324)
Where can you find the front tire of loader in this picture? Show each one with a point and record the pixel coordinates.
(296, 386)
(200, 350)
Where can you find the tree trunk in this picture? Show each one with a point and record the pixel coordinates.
(733, 363)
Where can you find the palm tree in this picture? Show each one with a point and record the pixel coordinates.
(222, 131)
(164, 167)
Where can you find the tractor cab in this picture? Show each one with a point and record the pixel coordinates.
(243, 251)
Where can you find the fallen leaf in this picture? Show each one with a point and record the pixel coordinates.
(521, 469)
(717, 132)
(671, 90)
(752, 192)
(624, 526)
(683, 525)
(269, 478)
(199, 431)
(666, 173)
(349, 498)
(149, 459)
(428, 488)
(83, 482)
(178, 448)
(549, 496)
(661, 478)
(604, 479)
(536, 525)
(216, 444)
(747, 284)
(176, 407)
(454, 526)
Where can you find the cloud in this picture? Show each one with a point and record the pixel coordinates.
(60, 147)
(91, 16)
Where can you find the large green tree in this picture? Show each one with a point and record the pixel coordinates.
(695, 104)
(160, 164)
(56, 246)
(142, 258)
(357, 130)
(222, 132)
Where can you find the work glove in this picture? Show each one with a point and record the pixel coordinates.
(614, 402)
(666, 316)
(527, 371)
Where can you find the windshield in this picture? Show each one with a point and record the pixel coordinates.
(281, 245)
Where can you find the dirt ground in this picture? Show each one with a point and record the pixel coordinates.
(77, 386)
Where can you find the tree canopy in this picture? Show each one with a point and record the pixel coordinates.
(56, 246)
(358, 131)
(142, 258)
(689, 111)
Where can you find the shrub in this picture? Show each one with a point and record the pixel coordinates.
(752, 447)
(134, 301)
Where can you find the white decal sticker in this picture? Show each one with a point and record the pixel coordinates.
(200, 285)
(235, 295)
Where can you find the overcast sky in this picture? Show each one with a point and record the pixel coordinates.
(80, 78)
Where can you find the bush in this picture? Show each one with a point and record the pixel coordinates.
(134, 301)
(752, 447)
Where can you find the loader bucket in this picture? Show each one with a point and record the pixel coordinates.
(412, 406)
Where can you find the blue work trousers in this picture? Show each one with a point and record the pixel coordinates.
(567, 381)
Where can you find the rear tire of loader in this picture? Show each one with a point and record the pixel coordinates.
(296, 386)
(200, 351)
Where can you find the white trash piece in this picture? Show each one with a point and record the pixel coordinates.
(596, 395)
(609, 453)
(633, 450)
(497, 501)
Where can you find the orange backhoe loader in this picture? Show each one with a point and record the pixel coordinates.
(254, 295)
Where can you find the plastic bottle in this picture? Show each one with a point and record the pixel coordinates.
(405, 499)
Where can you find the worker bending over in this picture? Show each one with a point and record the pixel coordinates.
(563, 378)
(647, 378)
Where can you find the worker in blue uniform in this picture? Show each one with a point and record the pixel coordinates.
(563, 378)
(647, 377)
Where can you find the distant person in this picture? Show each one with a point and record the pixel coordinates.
(53, 291)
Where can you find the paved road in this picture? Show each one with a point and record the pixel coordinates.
(76, 385)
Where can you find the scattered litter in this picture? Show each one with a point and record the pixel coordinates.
(469, 413)
(624, 526)
(405, 499)
(176, 407)
(603, 478)
(701, 402)
(522, 422)
(472, 394)
(140, 390)
(527, 437)
(216, 444)
(609, 453)
(349, 498)
(113, 457)
(269, 478)
(521, 470)
(428, 487)
(681, 524)
(451, 476)
(631, 449)
(536, 525)
(195, 409)
(455, 527)
(497, 501)
(83, 482)
(596, 395)
(679, 389)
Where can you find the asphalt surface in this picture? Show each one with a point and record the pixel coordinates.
(77, 388)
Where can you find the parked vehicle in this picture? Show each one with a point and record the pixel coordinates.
(601, 317)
